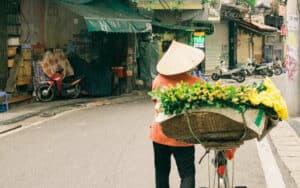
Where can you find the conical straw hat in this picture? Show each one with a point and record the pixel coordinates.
(179, 58)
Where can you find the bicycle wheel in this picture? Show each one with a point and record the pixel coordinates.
(223, 182)
(222, 171)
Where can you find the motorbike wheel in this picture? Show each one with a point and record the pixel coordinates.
(42, 93)
(270, 73)
(244, 73)
(240, 78)
(277, 71)
(76, 92)
(215, 76)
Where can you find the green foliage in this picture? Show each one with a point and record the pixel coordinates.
(251, 3)
(183, 97)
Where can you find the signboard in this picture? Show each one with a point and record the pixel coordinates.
(282, 10)
(231, 13)
(292, 23)
(292, 59)
(283, 30)
(199, 40)
(197, 34)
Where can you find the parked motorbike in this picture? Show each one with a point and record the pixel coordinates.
(253, 68)
(223, 73)
(68, 87)
(199, 74)
(277, 69)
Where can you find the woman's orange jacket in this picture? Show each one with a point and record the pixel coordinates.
(156, 133)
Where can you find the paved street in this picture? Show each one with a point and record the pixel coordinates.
(100, 57)
(108, 147)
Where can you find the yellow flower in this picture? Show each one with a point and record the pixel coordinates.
(205, 92)
(269, 84)
(203, 98)
(218, 83)
(224, 97)
(283, 114)
(173, 99)
(210, 97)
(266, 98)
(244, 99)
(235, 100)
(281, 109)
(197, 91)
(181, 96)
(254, 98)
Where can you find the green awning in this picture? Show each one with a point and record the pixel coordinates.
(172, 26)
(109, 16)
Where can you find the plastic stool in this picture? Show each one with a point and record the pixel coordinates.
(4, 94)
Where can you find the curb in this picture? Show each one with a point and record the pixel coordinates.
(10, 129)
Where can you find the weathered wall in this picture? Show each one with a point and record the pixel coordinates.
(216, 45)
(289, 84)
(60, 25)
(257, 48)
(243, 52)
(32, 27)
(244, 47)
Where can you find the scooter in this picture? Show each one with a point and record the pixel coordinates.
(253, 68)
(277, 69)
(223, 73)
(57, 86)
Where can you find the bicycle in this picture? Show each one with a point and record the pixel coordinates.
(220, 162)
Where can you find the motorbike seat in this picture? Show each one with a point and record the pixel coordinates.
(70, 79)
(59, 71)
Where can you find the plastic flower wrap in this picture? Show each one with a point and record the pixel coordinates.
(183, 97)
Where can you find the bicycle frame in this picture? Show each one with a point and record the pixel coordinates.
(220, 163)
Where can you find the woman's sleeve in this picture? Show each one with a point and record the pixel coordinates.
(154, 87)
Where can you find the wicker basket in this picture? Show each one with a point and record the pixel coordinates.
(217, 127)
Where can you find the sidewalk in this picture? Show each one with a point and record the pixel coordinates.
(287, 144)
(284, 137)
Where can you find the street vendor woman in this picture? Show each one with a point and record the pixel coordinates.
(174, 67)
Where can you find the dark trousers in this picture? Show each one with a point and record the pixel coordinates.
(184, 157)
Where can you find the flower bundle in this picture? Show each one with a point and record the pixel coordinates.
(183, 97)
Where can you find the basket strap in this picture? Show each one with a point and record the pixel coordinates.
(190, 127)
(259, 117)
(244, 123)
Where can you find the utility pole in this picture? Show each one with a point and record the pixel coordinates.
(291, 90)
